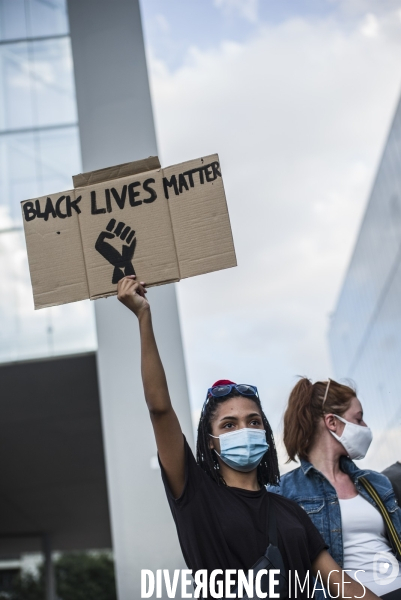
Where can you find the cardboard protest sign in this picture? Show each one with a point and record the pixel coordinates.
(161, 224)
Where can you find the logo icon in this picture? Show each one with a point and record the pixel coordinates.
(385, 568)
(121, 261)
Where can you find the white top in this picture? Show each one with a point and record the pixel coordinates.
(366, 547)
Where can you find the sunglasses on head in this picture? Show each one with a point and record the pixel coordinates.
(219, 391)
(244, 389)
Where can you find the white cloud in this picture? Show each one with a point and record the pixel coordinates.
(248, 9)
(299, 115)
(370, 25)
(162, 23)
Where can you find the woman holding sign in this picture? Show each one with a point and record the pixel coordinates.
(225, 518)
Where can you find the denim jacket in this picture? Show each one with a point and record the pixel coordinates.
(315, 494)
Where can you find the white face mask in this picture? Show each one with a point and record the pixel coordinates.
(355, 439)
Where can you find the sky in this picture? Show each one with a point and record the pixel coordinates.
(297, 97)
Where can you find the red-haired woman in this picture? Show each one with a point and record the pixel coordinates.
(354, 509)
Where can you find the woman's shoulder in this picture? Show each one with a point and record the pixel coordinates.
(380, 482)
(289, 482)
(293, 474)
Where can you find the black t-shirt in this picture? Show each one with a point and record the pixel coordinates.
(221, 527)
(394, 474)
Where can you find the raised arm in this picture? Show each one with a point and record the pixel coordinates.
(168, 434)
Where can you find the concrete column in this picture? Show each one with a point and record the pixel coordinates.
(116, 125)
(50, 580)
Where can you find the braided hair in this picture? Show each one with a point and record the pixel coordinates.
(267, 470)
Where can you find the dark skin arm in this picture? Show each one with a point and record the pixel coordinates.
(167, 429)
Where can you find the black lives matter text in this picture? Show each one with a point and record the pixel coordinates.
(190, 178)
(112, 199)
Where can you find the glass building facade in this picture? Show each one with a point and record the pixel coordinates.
(365, 331)
(39, 152)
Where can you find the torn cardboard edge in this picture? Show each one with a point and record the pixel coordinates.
(109, 173)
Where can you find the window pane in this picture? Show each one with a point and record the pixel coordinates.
(18, 179)
(37, 84)
(46, 17)
(12, 19)
(36, 163)
(32, 18)
(16, 105)
(26, 333)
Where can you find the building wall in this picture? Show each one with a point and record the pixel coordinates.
(39, 151)
(365, 331)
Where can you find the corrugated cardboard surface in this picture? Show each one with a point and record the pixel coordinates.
(162, 225)
(199, 215)
(55, 255)
(155, 259)
(111, 173)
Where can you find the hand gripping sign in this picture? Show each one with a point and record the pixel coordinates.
(161, 224)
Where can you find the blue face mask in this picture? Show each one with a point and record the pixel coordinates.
(242, 449)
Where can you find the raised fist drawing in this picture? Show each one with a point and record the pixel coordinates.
(122, 263)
